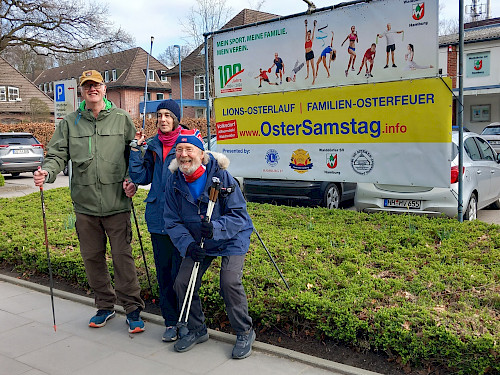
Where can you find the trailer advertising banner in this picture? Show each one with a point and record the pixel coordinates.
(393, 133)
(379, 41)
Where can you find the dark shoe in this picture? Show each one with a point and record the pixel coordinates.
(170, 334)
(134, 321)
(385, 67)
(394, 65)
(243, 346)
(192, 338)
(100, 319)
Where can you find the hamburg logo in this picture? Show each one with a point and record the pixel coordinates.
(362, 162)
(418, 11)
(300, 161)
(272, 157)
(478, 64)
(331, 161)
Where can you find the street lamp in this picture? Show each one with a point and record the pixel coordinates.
(180, 73)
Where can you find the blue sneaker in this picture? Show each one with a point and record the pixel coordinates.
(243, 346)
(192, 338)
(170, 334)
(134, 321)
(100, 319)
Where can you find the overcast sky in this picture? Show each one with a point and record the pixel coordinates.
(156, 18)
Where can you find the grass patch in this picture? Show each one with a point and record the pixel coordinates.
(425, 290)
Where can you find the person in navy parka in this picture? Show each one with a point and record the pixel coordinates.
(226, 235)
(150, 166)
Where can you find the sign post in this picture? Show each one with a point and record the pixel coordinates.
(65, 99)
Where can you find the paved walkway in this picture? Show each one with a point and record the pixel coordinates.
(29, 345)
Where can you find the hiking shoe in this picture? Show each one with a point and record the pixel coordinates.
(243, 346)
(187, 342)
(134, 321)
(170, 334)
(100, 319)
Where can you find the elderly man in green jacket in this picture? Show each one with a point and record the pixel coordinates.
(96, 138)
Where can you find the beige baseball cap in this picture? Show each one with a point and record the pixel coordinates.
(91, 75)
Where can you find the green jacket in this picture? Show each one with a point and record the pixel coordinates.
(99, 152)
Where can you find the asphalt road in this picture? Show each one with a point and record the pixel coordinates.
(23, 185)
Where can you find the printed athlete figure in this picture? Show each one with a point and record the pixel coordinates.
(308, 47)
(391, 44)
(412, 65)
(280, 67)
(327, 51)
(295, 70)
(353, 39)
(263, 77)
(368, 57)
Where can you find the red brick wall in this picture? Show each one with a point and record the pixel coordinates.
(187, 92)
(452, 68)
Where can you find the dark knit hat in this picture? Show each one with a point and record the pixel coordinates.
(191, 136)
(172, 106)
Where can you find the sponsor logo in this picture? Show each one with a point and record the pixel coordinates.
(418, 11)
(331, 161)
(272, 157)
(362, 162)
(300, 161)
(478, 64)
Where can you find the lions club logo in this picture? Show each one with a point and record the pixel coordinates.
(300, 161)
(272, 157)
(418, 11)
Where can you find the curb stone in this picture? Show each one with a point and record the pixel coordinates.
(216, 335)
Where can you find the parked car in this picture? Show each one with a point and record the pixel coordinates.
(324, 193)
(481, 186)
(19, 152)
(492, 134)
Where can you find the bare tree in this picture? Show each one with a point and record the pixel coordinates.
(206, 16)
(170, 57)
(50, 27)
(26, 61)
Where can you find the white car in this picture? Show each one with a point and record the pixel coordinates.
(481, 186)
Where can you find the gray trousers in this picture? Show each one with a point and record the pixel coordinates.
(231, 290)
(93, 233)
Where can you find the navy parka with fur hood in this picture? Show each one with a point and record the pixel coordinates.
(182, 214)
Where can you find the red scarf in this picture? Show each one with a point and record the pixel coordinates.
(168, 139)
(196, 175)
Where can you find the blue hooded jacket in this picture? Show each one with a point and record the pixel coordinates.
(230, 219)
(151, 169)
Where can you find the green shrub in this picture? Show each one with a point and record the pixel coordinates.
(425, 290)
(2, 180)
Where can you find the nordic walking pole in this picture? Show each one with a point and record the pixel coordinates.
(146, 86)
(272, 260)
(51, 280)
(183, 318)
(140, 242)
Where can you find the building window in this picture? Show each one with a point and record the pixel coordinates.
(50, 86)
(200, 113)
(159, 96)
(13, 94)
(199, 87)
(151, 75)
(3, 94)
(45, 88)
(106, 76)
(163, 76)
(113, 74)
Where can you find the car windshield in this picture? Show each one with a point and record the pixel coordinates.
(493, 130)
(454, 151)
(17, 140)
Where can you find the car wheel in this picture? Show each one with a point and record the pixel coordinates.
(496, 204)
(15, 174)
(331, 198)
(471, 211)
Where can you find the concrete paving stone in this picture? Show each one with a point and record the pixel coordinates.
(25, 302)
(35, 372)
(208, 356)
(309, 370)
(11, 321)
(66, 356)
(259, 363)
(123, 364)
(8, 290)
(27, 338)
(9, 366)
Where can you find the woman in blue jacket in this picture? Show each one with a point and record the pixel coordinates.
(149, 165)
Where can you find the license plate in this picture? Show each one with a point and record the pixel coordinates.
(404, 203)
(20, 151)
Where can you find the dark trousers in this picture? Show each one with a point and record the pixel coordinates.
(93, 233)
(167, 262)
(231, 290)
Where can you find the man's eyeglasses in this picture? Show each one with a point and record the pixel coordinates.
(88, 86)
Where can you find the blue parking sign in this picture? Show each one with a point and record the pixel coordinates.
(60, 93)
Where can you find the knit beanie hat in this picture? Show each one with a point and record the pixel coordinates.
(192, 136)
(172, 106)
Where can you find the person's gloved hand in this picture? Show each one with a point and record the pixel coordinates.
(196, 252)
(207, 229)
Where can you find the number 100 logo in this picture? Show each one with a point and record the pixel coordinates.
(227, 72)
